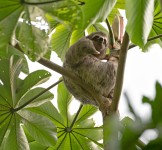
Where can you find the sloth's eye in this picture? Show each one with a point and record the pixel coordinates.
(99, 39)
(95, 38)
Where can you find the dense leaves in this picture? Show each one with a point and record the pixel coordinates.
(15, 95)
(28, 120)
(73, 129)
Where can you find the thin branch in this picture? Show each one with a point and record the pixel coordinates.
(120, 73)
(76, 116)
(150, 39)
(36, 96)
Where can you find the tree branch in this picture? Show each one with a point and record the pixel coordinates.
(76, 79)
(120, 74)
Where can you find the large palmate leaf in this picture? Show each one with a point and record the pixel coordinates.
(76, 131)
(9, 15)
(140, 19)
(15, 95)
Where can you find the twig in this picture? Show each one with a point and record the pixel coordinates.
(150, 39)
(120, 73)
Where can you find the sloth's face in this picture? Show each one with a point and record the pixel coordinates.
(100, 42)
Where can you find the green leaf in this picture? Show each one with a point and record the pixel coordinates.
(9, 72)
(86, 112)
(48, 110)
(140, 20)
(93, 134)
(154, 144)
(76, 35)
(157, 25)
(61, 41)
(97, 10)
(63, 99)
(32, 39)
(156, 105)
(66, 12)
(47, 96)
(39, 127)
(14, 51)
(12, 135)
(5, 120)
(33, 79)
(131, 132)
(16, 138)
(9, 15)
(37, 146)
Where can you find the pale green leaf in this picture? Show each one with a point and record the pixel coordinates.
(9, 15)
(93, 134)
(39, 100)
(16, 139)
(33, 79)
(61, 41)
(49, 110)
(9, 72)
(86, 112)
(39, 127)
(63, 99)
(97, 10)
(140, 20)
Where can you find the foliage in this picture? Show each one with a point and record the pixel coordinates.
(35, 29)
(15, 96)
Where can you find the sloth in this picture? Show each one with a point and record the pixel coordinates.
(84, 59)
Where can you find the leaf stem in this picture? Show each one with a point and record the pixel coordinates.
(39, 3)
(150, 39)
(36, 96)
(76, 116)
(47, 2)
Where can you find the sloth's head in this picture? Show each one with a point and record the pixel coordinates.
(100, 42)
